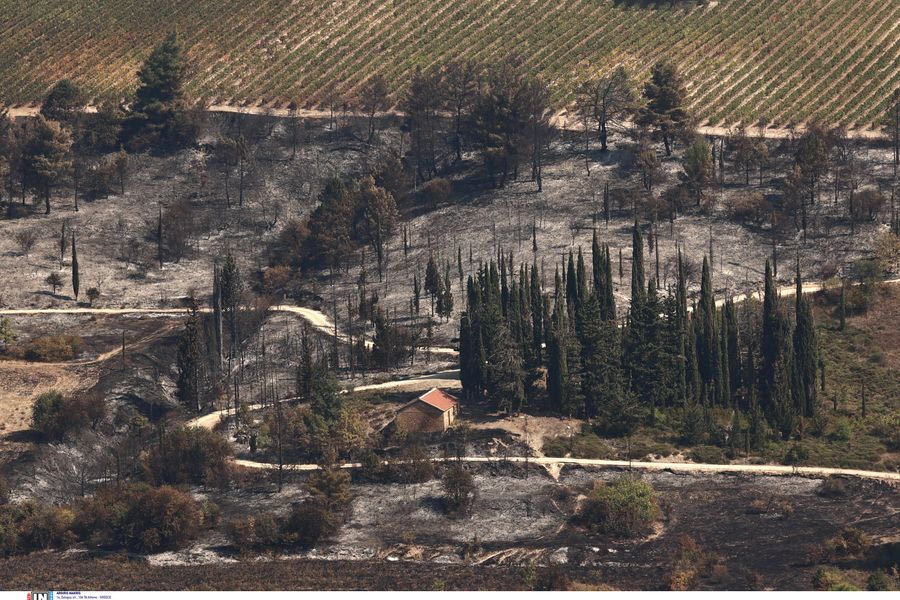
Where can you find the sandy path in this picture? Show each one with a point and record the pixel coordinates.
(560, 120)
(648, 466)
(314, 317)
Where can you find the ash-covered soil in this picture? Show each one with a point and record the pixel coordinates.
(521, 515)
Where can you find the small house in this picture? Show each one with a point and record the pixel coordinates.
(432, 412)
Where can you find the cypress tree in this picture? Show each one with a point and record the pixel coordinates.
(432, 281)
(609, 302)
(708, 348)
(724, 379)
(189, 363)
(75, 274)
(806, 355)
(557, 364)
(597, 264)
(537, 314)
(734, 348)
(582, 281)
(638, 289)
(571, 284)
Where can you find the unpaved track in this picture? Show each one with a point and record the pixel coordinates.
(560, 120)
(315, 318)
(451, 379)
(551, 462)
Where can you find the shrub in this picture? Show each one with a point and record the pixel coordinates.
(751, 208)
(189, 455)
(850, 542)
(459, 490)
(304, 526)
(139, 517)
(626, 506)
(795, 455)
(54, 415)
(47, 415)
(93, 294)
(307, 524)
(833, 487)
(56, 348)
(832, 580)
(436, 192)
(29, 526)
(25, 240)
(708, 454)
(842, 430)
(878, 582)
(579, 446)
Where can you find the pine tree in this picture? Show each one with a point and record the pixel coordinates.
(159, 98)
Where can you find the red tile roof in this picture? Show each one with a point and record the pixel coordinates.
(438, 399)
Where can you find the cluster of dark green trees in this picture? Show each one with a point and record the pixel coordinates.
(66, 143)
(662, 354)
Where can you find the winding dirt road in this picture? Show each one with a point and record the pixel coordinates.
(450, 379)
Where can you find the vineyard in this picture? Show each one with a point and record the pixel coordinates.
(778, 61)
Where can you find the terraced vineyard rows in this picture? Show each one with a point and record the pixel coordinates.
(780, 61)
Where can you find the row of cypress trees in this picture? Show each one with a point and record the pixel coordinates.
(622, 371)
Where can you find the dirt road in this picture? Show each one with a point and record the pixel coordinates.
(315, 318)
(562, 120)
(649, 466)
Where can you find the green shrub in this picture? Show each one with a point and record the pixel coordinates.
(878, 582)
(53, 415)
(56, 348)
(708, 454)
(48, 415)
(139, 517)
(626, 506)
(842, 430)
(795, 455)
(585, 445)
(832, 580)
(189, 455)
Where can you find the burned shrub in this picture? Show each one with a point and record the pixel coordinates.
(56, 348)
(751, 208)
(625, 507)
(459, 490)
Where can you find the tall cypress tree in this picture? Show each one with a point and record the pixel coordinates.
(537, 314)
(597, 264)
(734, 348)
(638, 286)
(608, 301)
(806, 354)
(557, 365)
(75, 274)
(708, 343)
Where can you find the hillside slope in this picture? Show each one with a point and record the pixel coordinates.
(780, 60)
